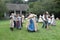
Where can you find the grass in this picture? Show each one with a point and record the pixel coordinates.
(52, 34)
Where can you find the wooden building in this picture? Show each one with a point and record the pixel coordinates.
(16, 8)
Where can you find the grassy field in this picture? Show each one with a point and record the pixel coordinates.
(52, 34)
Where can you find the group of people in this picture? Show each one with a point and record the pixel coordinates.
(16, 21)
(47, 20)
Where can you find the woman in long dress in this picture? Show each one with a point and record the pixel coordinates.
(12, 22)
(31, 25)
(53, 22)
(40, 19)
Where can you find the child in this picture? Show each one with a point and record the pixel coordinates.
(18, 21)
(49, 20)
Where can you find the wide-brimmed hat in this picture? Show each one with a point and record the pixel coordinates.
(31, 16)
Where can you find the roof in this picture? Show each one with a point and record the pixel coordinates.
(23, 7)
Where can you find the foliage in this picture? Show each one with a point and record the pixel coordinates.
(57, 6)
(44, 5)
(2, 8)
(36, 6)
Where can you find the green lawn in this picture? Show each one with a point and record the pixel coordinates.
(52, 34)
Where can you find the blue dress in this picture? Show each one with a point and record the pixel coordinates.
(31, 26)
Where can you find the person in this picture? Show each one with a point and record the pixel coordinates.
(49, 20)
(31, 25)
(45, 21)
(22, 20)
(18, 22)
(11, 22)
(40, 19)
(53, 22)
(15, 18)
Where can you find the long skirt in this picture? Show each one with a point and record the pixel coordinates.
(18, 23)
(31, 28)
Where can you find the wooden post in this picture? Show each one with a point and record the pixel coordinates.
(21, 12)
(14, 11)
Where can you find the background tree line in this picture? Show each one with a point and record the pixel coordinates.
(40, 6)
(35, 6)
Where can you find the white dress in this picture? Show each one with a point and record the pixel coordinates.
(53, 22)
(40, 19)
(11, 23)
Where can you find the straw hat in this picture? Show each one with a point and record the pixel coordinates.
(31, 16)
(47, 12)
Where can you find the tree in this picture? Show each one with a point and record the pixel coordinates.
(57, 6)
(41, 6)
(2, 8)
